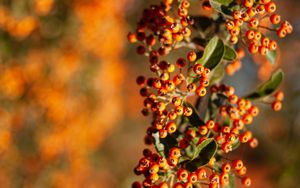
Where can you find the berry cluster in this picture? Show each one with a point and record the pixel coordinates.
(177, 124)
(248, 20)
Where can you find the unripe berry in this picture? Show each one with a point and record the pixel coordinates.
(192, 56)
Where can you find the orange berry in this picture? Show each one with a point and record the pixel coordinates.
(270, 7)
(257, 35)
(203, 130)
(260, 9)
(187, 111)
(163, 133)
(201, 173)
(226, 167)
(131, 37)
(234, 39)
(230, 25)
(250, 34)
(281, 32)
(192, 177)
(201, 91)
(238, 22)
(182, 174)
(198, 69)
(172, 161)
(265, 41)
(253, 48)
(179, 110)
(226, 147)
(176, 101)
(248, 3)
(191, 87)
(210, 124)
(263, 50)
(279, 96)
(163, 185)
(171, 127)
(265, 1)
(188, 185)
(181, 62)
(154, 169)
(275, 19)
(206, 5)
(273, 45)
(236, 14)
(178, 185)
(246, 181)
(168, 2)
(253, 111)
(253, 23)
(251, 12)
(192, 56)
(253, 142)
(214, 178)
(224, 179)
(174, 152)
(276, 106)
(237, 164)
(242, 171)
(235, 31)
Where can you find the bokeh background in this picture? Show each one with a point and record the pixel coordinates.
(70, 110)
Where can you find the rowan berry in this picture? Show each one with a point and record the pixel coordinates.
(224, 179)
(236, 14)
(251, 12)
(226, 167)
(257, 36)
(190, 134)
(260, 9)
(275, 18)
(183, 143)
(191, 87)
(206, 5)
(174, 152)
(248, 3)
(169, 85)
(178, 185)
(154, 169)
(238, 22)
(182, 174)
(192, 177)
(250, 34)
(230, 25)
(253, 23)
(198, 69)
(226, 147)
(178, 79)
(171, 127)
(235, 31)
(276, 105)
(233, 99)
(203, 130)
(242, 171)
(270, 7)
(263, 50)
(187, 111)
(279, 96)
(188, 185)
(192, 56)
(253, 48)
(136, 185)
(237, 164)
(246, 181)
(163, 185)
(131, 37)
(201, 173)
(172, 161)
(214, 178)
(265, 41)
(180, 62)
(179, 110)
(201, 91)
(281, 32)
(163, 133)
(210, 124)
(273, 45)
(141, 50)
(253, 142)
(265, 1)
(204, 81)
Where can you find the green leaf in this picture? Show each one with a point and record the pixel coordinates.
(194, 119)
(231, 181)
(219, 7)
(217, 74)
(272, 56)
(269, 86)
(204, 152)
(163, 145)
(223, 2)
(213, 53)
(202, 22)
(229, 54)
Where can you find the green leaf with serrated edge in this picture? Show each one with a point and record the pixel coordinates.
(194, 119)
(205, 152)
(213, 53)
(229, 54)
(268, 87)
(224, 2)
(272, 56)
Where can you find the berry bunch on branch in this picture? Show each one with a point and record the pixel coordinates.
(196, 119)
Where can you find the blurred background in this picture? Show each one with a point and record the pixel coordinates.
(70, 110)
